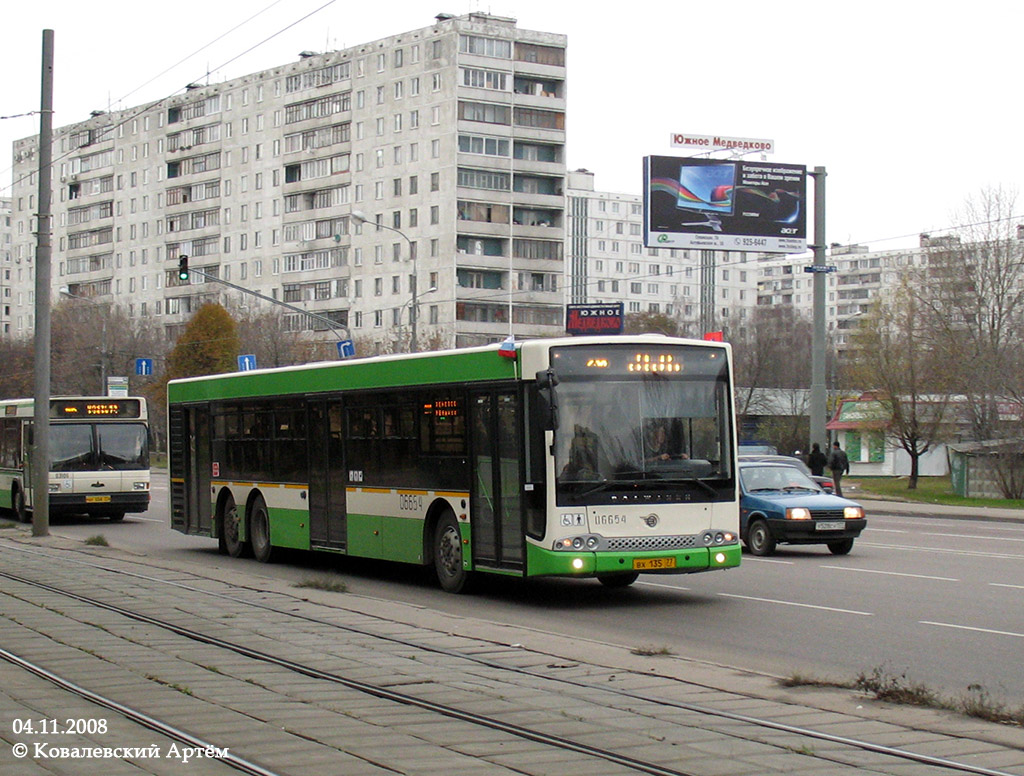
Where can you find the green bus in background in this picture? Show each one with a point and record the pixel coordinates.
(600, 457)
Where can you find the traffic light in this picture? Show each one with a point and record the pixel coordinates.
(183, 267)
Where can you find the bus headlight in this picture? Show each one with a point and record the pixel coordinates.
(798, 513)
(140, 486)
(54, 487)
(720, 557)
(853, 513)
(577, 563)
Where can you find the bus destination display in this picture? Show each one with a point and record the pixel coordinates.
(616, 360)
(65, 409)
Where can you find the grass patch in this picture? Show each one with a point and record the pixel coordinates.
(651, 651)
(885, 686)
(99, 540)
(173, 685)
(930, 490)
(323, 582)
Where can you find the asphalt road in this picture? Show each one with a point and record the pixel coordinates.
(937, 601)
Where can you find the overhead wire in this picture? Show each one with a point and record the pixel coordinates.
(149, 106)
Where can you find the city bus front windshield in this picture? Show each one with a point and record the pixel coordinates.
(98, 447)
(669, 427)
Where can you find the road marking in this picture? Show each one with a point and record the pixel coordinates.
(768, 560)
(976, 630)
(147, 519)
(794, 603)
(884, 530)
(999, 584)
(890, 573)
(972, 536)
(658, 584)
(948, 551)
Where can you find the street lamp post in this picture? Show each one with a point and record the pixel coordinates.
(414, 302)
(65, 291)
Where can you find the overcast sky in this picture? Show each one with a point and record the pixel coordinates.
(910, 106)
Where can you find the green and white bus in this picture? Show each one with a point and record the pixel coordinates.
(581, 457)
(99, 456)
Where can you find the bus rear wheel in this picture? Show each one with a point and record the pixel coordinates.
(230, 530)
(452, 577)
(259, 531)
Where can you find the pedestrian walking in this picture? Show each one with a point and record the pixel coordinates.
(839, 465)
(817, 460)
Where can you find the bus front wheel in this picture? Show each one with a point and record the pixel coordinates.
(618, 580)
(259, 531)
(448, 555)
(18, 506)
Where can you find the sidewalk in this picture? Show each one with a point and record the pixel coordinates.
(880, 505)
(589, 692)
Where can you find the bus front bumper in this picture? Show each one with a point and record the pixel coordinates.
(543, 562)
(109, 503)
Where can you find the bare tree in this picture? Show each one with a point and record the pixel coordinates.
(774, 353)
(897, 352)
(973, 299)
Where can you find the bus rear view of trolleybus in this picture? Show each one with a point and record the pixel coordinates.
(600, 457)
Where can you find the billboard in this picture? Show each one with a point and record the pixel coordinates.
(725, 205)
(594, 318)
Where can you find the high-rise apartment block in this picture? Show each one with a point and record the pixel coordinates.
(450, 137)
(7, 269)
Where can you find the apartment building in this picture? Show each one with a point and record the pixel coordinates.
(448, 140)
(607, 262)
(8, 270)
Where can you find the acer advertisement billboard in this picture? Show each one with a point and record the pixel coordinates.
(725, 205)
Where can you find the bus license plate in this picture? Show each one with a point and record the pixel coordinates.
(830, 525)
(653, 564)
(97, 499)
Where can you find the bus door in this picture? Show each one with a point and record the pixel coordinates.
(327, 475)
(191, 464)
(497, 515)
(199, 515)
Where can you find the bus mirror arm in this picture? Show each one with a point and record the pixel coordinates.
(546, 382)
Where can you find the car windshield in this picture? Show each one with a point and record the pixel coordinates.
(760, 479)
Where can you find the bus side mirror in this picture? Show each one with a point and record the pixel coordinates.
(546, 382)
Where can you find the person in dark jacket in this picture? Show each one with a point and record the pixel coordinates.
(840, 465)
(816, 461)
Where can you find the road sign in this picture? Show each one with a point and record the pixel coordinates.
(246, 363)
(117, 386)
(821, 268)
(346, 348)
(143, 366)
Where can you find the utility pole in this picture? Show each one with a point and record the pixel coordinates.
(40, 462)
(819, 403)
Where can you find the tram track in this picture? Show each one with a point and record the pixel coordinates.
(757, 726)
(148, 721)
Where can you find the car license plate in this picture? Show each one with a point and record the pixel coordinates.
(653, 564)
(830, 525)
(97, 499)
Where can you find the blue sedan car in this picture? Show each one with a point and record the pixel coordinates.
(781, 504)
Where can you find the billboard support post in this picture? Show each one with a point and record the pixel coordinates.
(819, 403)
